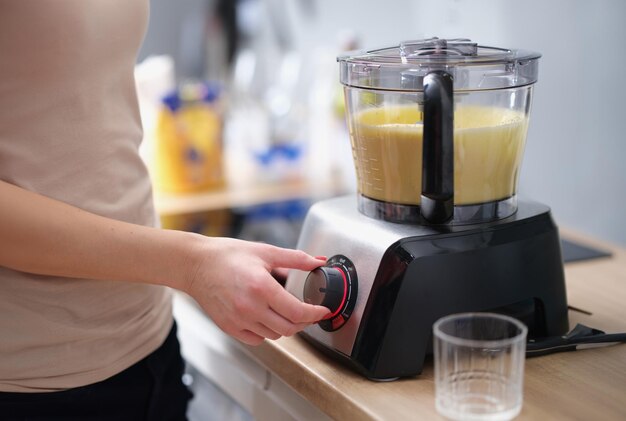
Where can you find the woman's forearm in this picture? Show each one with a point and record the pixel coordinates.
(230, 279)
(45, 236)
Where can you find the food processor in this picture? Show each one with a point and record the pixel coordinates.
(437, 129)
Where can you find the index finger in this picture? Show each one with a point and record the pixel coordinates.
(293, 259)
(294, 310)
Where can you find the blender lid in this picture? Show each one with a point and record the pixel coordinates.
(472, 66)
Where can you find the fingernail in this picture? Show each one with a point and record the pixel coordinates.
(321, 257)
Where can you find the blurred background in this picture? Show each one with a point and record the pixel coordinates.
(246, 92)
(270, 84)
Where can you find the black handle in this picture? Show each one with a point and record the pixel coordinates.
(437, 202)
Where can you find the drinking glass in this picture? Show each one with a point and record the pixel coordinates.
(479, 366)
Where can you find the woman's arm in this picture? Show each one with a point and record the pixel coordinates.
(229, 278)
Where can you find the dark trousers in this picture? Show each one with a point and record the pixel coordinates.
(152, 389)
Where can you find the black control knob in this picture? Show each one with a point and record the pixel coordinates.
(328, 287)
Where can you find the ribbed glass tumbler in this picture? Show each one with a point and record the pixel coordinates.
(479, 366)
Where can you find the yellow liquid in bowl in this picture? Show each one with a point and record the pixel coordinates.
(488, 149)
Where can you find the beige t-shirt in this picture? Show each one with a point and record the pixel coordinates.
(70, 130)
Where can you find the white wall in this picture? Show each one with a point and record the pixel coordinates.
(575, 157)
(177, 28)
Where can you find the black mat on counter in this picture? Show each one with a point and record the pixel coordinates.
(573, 252)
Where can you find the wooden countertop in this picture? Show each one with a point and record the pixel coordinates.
(582, 385)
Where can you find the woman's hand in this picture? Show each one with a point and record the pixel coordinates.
(233, 283)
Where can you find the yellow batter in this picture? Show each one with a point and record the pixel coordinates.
(488, 148)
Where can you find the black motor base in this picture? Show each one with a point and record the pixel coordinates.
(508, 267)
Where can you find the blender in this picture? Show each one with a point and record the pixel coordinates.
(437, 129)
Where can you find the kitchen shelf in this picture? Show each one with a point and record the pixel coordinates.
(228, 198)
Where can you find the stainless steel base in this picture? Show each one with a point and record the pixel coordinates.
(336, 227)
